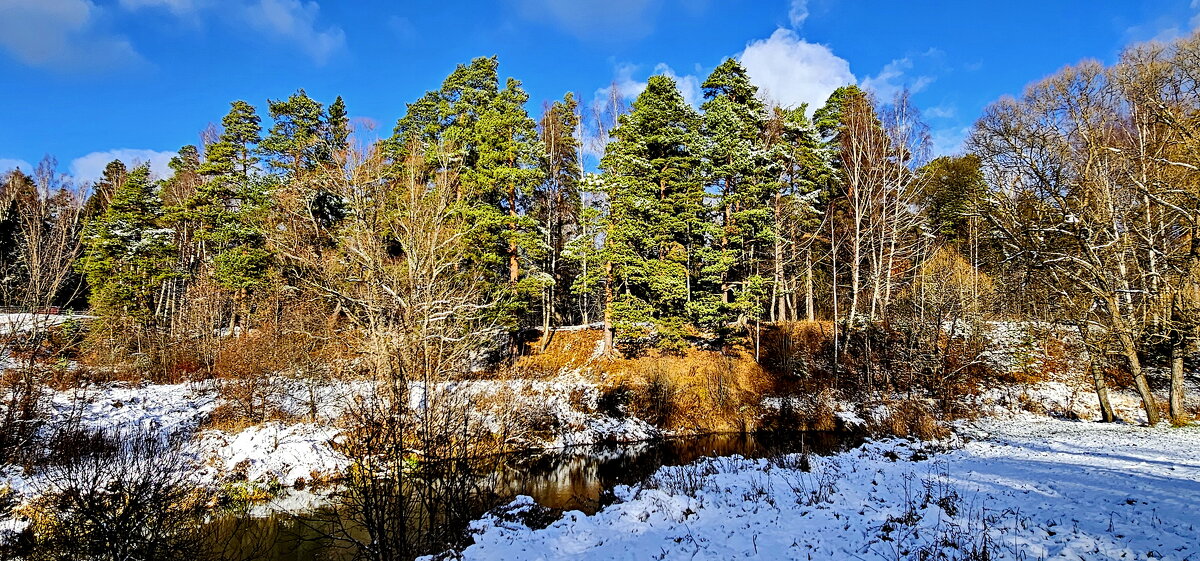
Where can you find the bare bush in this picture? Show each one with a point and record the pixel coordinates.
(120, 496)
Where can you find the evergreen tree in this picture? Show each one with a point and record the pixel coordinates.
(481, 143)
(656, 216)
(102, 191)
(337, 127)
(805, 175)
(951, 191)
(295, 142)
(16, 191)
(742, 177)
(127, 253)
(226, 212)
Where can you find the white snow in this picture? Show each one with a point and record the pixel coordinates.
(270, 453)
(169, 409)
(1029, 488)
(16, 323)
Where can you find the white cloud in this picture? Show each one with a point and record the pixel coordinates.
(86, 169)
(296, 22)
(893, 78)
(9, 164)
(789, 70)
(798, 12)
(292, 21)
(177, 7)
(949, 141)
(628, 87)
(606, 20)
(61, 34)
(941, 112)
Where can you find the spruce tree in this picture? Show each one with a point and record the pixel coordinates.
(337, 130)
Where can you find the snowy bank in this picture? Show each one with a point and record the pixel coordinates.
(1027, 488)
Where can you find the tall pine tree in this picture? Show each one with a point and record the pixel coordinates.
(655, 220)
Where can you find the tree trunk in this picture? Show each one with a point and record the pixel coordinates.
(608, 302)
(1139, 377)
(1178, 415)
(809, 305)
(513, 268)
(1098, 380)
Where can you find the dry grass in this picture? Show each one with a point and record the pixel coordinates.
(566, 350)
(911, 418)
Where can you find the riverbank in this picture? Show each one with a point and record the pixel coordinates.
(1021, 488)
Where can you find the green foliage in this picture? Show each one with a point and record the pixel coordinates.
(295, 142)
(656, 217)
(127, 251)
(951, 191)
(479, 136)
(744, 177)
(234, 151)
(338, 129)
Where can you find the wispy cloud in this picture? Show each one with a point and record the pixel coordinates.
(177, 7)
(895, 77)
(9, 164)
(941, 112)
(63, 35)
(797, 13)
(296, 22)
(949, 141)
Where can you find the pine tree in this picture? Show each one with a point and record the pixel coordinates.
(227, 210)
(478, 140)
(127, 253)
(951, 191)
(656, 219)
(295, 142)
(740, 173)
(805, 175)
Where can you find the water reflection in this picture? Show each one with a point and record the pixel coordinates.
(578, 478)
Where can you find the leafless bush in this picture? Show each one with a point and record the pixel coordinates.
(22, 404)
(814, 484)
(122, 496)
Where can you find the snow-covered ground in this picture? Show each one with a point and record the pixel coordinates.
(1023, 488)
(284, 453)
(16, 323)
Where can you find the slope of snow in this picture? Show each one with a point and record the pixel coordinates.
(269, 453)
(1028, 488)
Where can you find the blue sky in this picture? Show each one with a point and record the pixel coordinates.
(89, 80)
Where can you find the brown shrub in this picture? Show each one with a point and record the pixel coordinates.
(912, 418)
